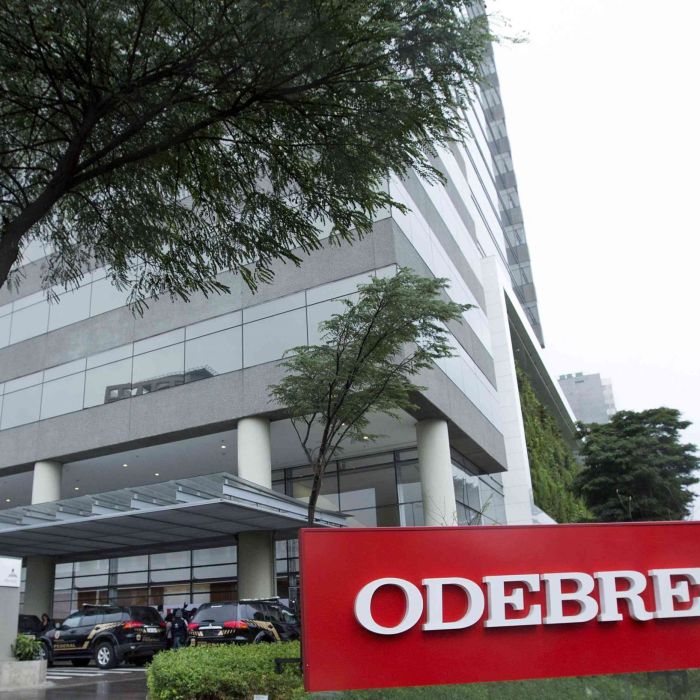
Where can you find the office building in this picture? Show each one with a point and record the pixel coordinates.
(590, 396)
(142, 460)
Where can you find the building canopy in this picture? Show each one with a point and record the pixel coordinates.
(200, 511)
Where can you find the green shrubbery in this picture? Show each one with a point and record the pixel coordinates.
(225, 671)
(553, 466)
(26, 648)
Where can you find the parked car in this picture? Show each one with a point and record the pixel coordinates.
(107, 634)
(29, 625)
(243, 622)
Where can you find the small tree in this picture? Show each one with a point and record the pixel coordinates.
(365, 363)
(637, 468)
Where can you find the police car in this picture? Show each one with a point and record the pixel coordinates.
(107, 634)
(243, 622)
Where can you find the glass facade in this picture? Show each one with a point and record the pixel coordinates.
(226, 343)
(379, 490)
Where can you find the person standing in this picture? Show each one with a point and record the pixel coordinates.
(179, 630)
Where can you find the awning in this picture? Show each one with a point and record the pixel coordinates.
(188, 513)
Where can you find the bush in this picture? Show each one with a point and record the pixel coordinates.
(224, 671)
(26, 648)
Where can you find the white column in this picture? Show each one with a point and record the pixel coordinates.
(435, 467)
(517, 483)
(38, 592)
(256, 550)
(46, 485)
(254, 458)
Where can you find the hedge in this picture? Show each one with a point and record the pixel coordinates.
(226, 672)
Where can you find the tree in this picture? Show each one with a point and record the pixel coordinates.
(169, 140)
(365, 363)
(637, 468)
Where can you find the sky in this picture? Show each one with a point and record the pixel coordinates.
(603, 113)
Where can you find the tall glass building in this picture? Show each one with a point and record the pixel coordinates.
(142, 459)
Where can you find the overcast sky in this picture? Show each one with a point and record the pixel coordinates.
(603, 114)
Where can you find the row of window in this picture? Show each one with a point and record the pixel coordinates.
(202, 350)
(31, 315)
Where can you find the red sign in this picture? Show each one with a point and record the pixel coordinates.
(425, 606)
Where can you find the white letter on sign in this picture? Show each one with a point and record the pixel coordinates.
(588, 607)
(498, 600)
(475, 604)
(363, 606)
(609, 595)
(666, 595)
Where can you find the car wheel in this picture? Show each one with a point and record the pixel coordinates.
(80, 662)
(262, 638)
(104, 656)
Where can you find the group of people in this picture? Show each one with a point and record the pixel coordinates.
(176, 626)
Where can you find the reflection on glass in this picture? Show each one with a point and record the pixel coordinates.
(160, 576)
(159, 369)
(169, 560)
(21, 407)
(221, 571)
(62, 396)
(216, 555)
(213, 354)
(137, 563)
(108, 383)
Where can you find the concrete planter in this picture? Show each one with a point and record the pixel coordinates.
(21, 674)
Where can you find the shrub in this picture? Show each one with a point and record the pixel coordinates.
(26, 648)
(224, 671)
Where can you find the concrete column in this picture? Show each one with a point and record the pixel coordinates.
(38, 592)
(256, 550)
(256, 565)
(46, 485)
(435, 467)
(254, 458)
(517, 484)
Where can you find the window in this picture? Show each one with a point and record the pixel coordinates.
(268, 339)
(159, 369)
(72, 621)
(213, 354)
(21, 407)
(108, 383)
(62, 396)
(69, 308)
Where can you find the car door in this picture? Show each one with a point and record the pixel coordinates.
(65, 638)
(86, 631)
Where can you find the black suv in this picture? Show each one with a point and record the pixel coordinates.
(29, 625)
(243, 622)
(107, 634)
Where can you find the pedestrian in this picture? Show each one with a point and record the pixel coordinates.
(45, 623)
(179, 630)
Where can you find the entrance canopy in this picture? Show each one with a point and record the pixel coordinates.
(187, 513)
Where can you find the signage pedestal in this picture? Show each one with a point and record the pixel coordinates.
(14, 674)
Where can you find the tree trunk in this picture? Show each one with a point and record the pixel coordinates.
(319, 468)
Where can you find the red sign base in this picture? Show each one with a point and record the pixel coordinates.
(426, 606)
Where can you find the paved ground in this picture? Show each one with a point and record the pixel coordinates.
(66, 682)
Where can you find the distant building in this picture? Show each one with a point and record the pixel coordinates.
(589, 395)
